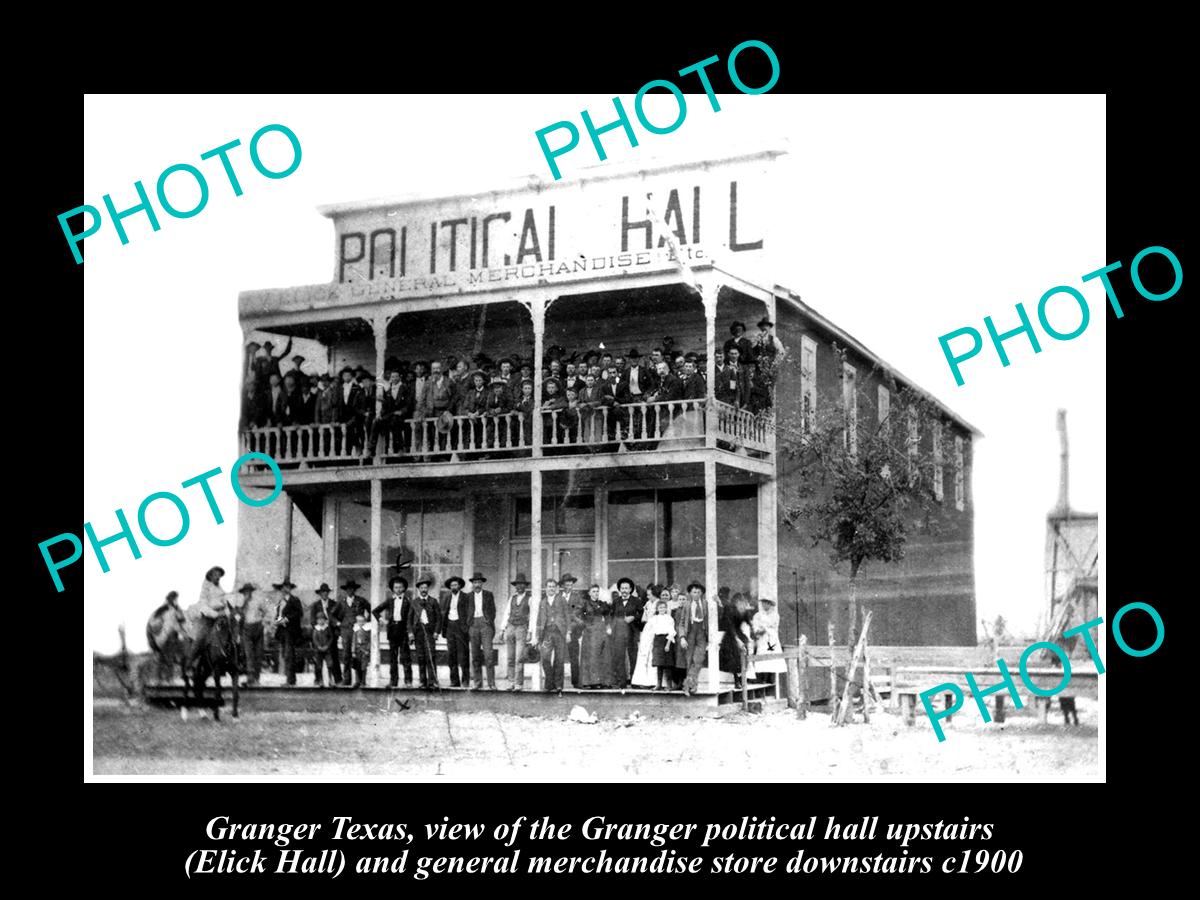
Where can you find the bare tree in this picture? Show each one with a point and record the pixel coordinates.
(866, 485)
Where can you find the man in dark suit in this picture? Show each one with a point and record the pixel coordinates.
(739, 340)
(670, 387)
(397, 410)
(691, 632)
(277, 413)
(553, 626)
(424, 621)
(364, 412)
(345, 401)
(693, 382)
(636, 384)
(454, 625)
(288, 613)
(397, 608)
(480, 609)
(348, 609)
(575, 601)
(329, 609)
(734, 381)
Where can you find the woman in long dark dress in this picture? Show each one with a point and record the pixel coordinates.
(595, 658)
(734, 620)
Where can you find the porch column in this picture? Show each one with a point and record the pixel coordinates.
(468, 554)
(709, 296)
(535, 552)
(710, 572)
(286, 563)
(376, 594)
(599, 550)
(537, 310)
(379, 325)
(768, 550)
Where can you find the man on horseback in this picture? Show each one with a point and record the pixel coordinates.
(212, 604)
(216, 636)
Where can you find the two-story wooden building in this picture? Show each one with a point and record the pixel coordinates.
(670, 493)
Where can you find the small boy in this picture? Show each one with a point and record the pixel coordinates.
(362, 648)
(322, 641)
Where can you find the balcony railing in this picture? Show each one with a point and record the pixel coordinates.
(626, 428)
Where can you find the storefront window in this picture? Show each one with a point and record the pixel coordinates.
(429, 533)
(658, 536)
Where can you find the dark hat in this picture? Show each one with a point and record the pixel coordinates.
(633, 354)
(360, 370)
(556, 351)
(696, 584)
(286, 583)
(520, 579)
(506, 359)
(458, 578)
(762, 600)
(247, 588)
(297, 357)
(691, 357)
(425, 578)
(478, 576)
(528, 381)
(324, 376)
(324, 588)
(351, 585)
(344, 369)
(555, 381)
(445, 422)
(172, 595)
(735, 326)
(526, 364)
(471, 375)
(625, 580)
(367, 376)
(403, 564)
(214, 569)
(567, 577)
(765, 320)
(399, 578)
(268, 344)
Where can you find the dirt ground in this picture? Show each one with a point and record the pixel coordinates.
(460, 746)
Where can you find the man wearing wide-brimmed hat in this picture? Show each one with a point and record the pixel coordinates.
(254, 614)
(396, 607)
(425, 623)
(739, 340)
(691, 629)
(348, 609)
(288, 613)
(480, 608)
(454, 628)
(516, 632)
(330, 610)
(575, 601)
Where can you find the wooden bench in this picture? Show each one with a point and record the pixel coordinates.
(909, 682)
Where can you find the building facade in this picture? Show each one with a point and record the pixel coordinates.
(658, 492)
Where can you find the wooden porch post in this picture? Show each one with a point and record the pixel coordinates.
(537, 310)
(710, 572)
(379, 325)
(535, 556)
(599, 567)
(709, 296)
(376, 594)
(768, 550)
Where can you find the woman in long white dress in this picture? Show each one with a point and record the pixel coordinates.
(765, 629)
(645, 674)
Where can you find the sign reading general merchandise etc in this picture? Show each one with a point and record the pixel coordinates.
(547, 233)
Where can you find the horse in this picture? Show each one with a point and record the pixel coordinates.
(216, 655)
(168, 640)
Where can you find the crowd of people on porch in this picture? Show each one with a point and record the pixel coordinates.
(577, 387)
(622, 636)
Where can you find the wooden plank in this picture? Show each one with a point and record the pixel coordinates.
(802, 680)
(859, 650)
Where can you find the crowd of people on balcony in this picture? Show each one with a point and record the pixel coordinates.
(622, 636)
(593, 394)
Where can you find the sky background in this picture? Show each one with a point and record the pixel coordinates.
(898, 218)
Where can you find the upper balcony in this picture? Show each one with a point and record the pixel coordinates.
(627, 434)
